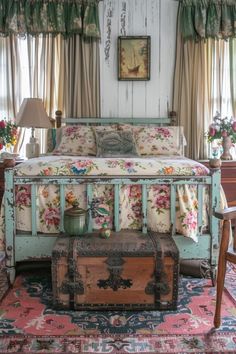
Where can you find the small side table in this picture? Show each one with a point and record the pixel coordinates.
(228, 182)
(228, 179)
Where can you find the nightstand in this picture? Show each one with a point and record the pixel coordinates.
(228, 179)
(2, 169)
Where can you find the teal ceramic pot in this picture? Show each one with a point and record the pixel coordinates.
(75, 221)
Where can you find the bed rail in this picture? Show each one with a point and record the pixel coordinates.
(22, 246)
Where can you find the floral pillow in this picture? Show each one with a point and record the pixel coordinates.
(115, 144)
(152, 140)
(159, 140)
(78, 140)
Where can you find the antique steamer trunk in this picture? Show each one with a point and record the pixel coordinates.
(129, 270)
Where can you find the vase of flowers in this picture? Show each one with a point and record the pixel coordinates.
(8, 138)
(223, 129)
(8, 134)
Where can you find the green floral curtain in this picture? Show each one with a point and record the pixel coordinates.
(34, 17)
(201, 19)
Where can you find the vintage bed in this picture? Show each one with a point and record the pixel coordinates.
(159, 189)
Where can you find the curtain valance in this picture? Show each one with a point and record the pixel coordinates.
(35, 17)
(201, 19)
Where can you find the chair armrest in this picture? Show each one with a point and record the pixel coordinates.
(225, 214)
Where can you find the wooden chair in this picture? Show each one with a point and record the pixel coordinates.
(227, 252)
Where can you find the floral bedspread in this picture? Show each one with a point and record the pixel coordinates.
(48, 203)
(73, 165)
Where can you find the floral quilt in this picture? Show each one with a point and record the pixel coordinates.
(80, 165)
(48, 203)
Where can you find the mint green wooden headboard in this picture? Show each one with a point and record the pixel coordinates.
(162, 121)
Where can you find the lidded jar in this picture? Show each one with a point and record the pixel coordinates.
(75, 221)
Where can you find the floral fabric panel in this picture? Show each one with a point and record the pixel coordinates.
(78, 140)
(23, 17)
(158, 212)
(125, 166)
(157, 140)
(48, 204)
(207, 19)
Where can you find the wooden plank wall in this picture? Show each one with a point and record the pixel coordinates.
(156, 18)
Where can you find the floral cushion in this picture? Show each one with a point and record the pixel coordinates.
(76, 140)
(79, 140)
(152, 140)
(115, 144)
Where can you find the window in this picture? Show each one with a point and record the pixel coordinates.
(25, 65)
(221, 90)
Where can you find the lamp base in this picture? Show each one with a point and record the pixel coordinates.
(32, 148)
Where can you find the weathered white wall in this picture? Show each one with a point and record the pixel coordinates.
(156, 18)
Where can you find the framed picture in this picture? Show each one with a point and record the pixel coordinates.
(134, 57)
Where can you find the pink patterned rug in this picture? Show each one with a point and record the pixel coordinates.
(29, 324)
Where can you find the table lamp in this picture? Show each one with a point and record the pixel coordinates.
(32, 115)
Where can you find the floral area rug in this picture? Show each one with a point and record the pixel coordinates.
(29, 324)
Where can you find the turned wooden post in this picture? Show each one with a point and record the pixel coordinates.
(173, 116)
(58, 117)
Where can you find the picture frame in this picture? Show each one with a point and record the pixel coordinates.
(134, 58)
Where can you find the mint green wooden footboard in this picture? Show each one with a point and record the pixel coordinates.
(23, 246)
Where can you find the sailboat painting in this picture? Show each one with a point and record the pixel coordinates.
(134, 57)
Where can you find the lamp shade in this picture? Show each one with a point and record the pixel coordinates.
(32, 114)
